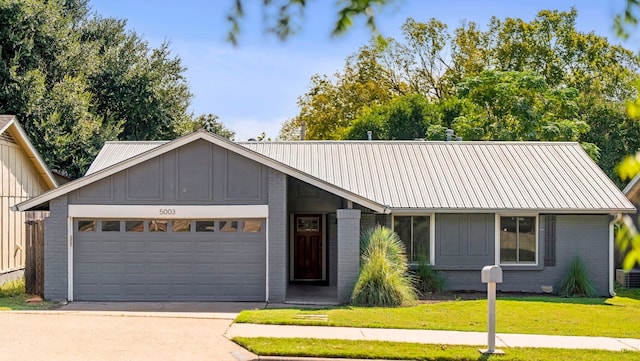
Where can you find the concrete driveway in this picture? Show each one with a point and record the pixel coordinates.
(123, 331)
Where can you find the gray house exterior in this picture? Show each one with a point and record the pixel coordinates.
(202, 218)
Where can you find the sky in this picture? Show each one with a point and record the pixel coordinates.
(254, 87)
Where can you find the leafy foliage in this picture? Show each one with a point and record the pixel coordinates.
(76, 80)
(512, 80)
(577, 282)
(427, 278)
(280, 16)
(405, 117)
(383, 279)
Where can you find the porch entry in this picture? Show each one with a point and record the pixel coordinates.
(308, 248)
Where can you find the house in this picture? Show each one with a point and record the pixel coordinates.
(203, 218)
(23, 175)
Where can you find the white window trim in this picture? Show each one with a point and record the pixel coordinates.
(432, 232)
(497, 240)
(167, 211)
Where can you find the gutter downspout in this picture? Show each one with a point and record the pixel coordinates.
(612, 291)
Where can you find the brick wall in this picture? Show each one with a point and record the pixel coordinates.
(348, 251)
(56, 251)
(277, 236)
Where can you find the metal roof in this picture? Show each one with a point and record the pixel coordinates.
(440, 176)
(457, 176)
(116, 152)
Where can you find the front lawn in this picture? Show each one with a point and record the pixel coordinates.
(298, 347)
(13, 297)
(610, 317)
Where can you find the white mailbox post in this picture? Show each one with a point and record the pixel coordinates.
(491, 275)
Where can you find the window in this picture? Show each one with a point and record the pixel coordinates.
(110, 226)
(415, 233)
(205, 226)
(183, 225)
(86, 226)
(252, 226)
(228, 226)
(157, 226)
(134, 226)
(518, 239)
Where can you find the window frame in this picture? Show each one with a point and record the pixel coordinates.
(537, 240)
(432, 233)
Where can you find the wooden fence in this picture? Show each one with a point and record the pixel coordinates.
(34, 262)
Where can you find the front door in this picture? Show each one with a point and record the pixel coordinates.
(307, 247)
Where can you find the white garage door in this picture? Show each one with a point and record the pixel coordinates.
(169, 260)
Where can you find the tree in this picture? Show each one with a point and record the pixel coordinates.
(330, 105)
(281, 16)
(518, 106)
(549, 45)
(76, 80)
(210, 123)
(405, 117)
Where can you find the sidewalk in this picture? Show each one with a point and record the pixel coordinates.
(503, 340)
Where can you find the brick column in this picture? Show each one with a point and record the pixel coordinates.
(348, 251)
(56, 250)
(278, 243)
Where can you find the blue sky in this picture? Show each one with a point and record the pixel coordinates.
(254, 87)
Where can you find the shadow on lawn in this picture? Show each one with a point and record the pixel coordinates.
(514, 296)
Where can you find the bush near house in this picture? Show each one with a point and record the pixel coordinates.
(577, 282)
(384, 279)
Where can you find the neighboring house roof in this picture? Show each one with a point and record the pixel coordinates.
(9, 126)
(632, 190)
(434, 176)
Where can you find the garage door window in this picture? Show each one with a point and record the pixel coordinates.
(157, 226)
(134, 226)
(110, 226)
(205, 226)
(228, 226)
(252, 226)
(87, 226)
(181, 226)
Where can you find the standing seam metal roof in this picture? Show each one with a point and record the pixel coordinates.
(440, 176)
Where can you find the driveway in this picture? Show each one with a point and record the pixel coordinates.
(136, 331)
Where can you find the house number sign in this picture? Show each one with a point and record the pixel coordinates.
(167, 211)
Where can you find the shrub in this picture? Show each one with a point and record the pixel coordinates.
(383, 279)
(12, 288)
(577, 282)
(427, 279)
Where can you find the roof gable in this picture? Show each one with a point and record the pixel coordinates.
(106, 165)
(9, 125)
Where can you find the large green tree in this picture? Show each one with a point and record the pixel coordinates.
(76, 80)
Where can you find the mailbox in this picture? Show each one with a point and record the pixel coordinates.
(491, 274)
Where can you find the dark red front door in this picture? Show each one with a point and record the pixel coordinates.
(307, 247)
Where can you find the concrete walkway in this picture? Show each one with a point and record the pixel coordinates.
(432, 337)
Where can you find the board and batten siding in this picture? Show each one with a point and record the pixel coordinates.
(20, 181)
(199, 173)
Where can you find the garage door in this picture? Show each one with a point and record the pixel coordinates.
(177, 260)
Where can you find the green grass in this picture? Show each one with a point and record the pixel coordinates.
(13, 297)
(529, 315)
(413, 351)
